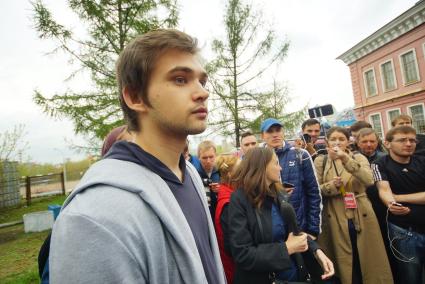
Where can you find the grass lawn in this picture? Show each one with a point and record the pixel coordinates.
(18, 254)
(37, 204)
(18, 250)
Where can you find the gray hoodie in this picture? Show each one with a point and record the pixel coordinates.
(111, 230)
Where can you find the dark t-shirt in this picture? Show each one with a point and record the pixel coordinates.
(404, 179)
(420, 147)
(185, 194)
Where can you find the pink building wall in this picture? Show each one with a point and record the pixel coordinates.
(403, 95)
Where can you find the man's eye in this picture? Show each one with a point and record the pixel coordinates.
(203, 82)
(180, 80)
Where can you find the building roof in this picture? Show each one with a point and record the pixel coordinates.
(404, 23)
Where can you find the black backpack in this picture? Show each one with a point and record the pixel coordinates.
(43, 255)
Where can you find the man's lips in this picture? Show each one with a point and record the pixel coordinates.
(201, 112)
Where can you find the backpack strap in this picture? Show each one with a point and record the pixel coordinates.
(43, 255)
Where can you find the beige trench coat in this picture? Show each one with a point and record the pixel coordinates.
(356, 175)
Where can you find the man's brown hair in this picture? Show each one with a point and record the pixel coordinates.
(366, 131)
(401, 117)
(137, 61)
(359, 125)
(246, 134)
(205, 145)
(404, 129)
(309, 122)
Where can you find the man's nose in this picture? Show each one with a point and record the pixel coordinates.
(201, 93)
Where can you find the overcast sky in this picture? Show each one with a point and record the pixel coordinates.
(318, 32)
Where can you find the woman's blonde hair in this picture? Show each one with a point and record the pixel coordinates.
(226, 165)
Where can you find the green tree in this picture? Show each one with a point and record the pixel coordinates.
(13, 144)
(248, 51)
(274, 104)
(109, 25)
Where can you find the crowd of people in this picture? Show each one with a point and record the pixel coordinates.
(345, 209)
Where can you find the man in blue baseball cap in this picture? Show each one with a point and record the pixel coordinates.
(298, 170)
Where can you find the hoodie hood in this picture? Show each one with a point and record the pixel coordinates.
(120, 175)
(131, 152)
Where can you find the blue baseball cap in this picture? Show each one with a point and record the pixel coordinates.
(269, 122)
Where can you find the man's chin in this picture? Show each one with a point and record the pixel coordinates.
(276, 145)
(196, 129)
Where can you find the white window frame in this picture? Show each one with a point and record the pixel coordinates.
(402, 68)
(412, 105)
(380, 120)
(388, 115)
(365, 82)
(382, 75)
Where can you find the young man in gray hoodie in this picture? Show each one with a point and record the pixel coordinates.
(140, 214)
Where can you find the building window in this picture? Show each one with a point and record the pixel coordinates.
(417, 113)
(391, 114)
(370, 83)
(409, 67)
(375, 120)
(388, 76)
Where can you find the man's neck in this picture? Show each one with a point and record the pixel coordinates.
(164, 147)
(368, 155)
(400, 159)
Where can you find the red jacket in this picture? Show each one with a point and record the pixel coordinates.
(224, 193)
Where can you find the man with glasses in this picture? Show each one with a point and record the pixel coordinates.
(400, 178)
(404, 119)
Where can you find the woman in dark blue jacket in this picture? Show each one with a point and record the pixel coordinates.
(263, 245)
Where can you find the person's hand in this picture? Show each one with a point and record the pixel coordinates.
(310, 149)
(332, 152)
(214, 187)
(325, 263)
(289, 190)
(337, 181)
(335, 153)
(312, 237)
(396, 209)
(299, 143)
(296, 244)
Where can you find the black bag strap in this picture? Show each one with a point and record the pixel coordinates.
(43, 255)
(260, 224)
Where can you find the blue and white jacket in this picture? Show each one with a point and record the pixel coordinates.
(298, 169)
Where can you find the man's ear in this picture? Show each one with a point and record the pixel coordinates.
(387, 144)
(133, 101)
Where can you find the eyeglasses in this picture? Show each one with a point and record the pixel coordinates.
(404, 140)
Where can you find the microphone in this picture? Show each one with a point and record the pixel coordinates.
(288, 214)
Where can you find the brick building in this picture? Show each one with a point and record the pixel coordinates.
(388, 71)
